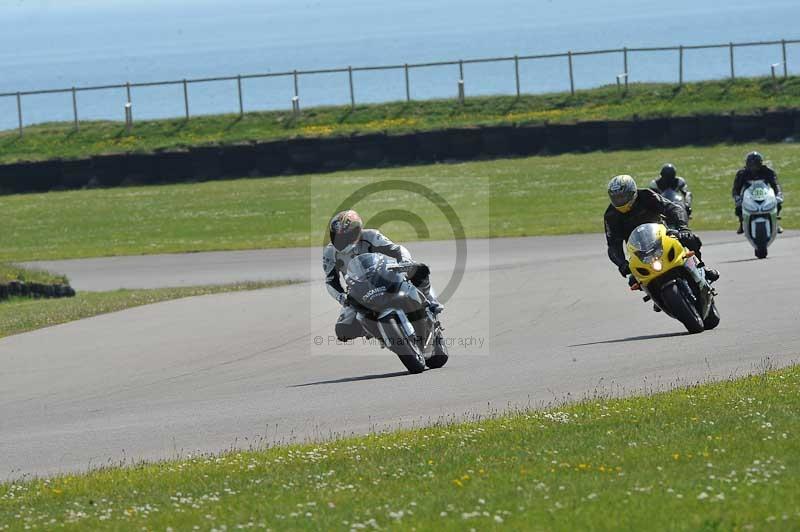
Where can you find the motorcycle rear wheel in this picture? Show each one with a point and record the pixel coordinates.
(682, 309)
(403, 347)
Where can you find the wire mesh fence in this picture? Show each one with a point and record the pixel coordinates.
(510, 75)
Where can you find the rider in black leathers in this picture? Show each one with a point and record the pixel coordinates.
(668, 178)
(631, 207)
(754, 168)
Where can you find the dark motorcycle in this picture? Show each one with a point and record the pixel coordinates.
(391, 309)
(678, 198)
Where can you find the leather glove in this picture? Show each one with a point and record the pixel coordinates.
(674, 233)
(625, 270)
(685, 234)
(632, 280)
(342, 298)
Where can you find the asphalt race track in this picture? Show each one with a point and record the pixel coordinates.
(533, 321)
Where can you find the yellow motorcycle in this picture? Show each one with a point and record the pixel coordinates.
(669, 274)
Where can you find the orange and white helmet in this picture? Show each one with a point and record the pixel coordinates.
(345, 230)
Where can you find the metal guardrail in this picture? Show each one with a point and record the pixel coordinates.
(406, 67)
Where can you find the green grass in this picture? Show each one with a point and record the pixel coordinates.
(544, 195)
(22, 315)
(720, 456)
(645, 100)
(10, 272)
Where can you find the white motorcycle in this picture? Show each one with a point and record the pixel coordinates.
(760, 216)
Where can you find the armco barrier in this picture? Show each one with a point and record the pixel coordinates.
(370, 150)
(683, 130)
(779, 126)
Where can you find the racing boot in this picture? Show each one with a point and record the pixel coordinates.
(740, 230)
(427, 291)
(712, 275)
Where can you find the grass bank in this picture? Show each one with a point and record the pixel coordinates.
(10, 272)
(713, 457)
(544, 195)
(23, 315)
(645, 100)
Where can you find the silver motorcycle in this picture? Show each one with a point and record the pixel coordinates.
(392, 310)
(760, 216)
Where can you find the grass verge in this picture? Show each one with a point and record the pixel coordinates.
(22, 315)
(10, 272)
(719, 456)
(543, 195)
(645, 100)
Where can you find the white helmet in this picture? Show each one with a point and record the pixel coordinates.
(622, 192)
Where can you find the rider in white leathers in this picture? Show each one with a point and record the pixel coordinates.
(349, 239)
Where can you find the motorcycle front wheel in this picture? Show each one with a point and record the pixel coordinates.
(440, 355)
(682, 309)
(712, 320)
(403, 347)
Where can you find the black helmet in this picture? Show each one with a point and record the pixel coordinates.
(668, 171)
(754, 161)
(345, 230)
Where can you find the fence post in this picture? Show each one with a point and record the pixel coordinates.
(460, 81)
(352, 92)
(571, 77)
(733, 72)
(75, 109)
(625, 65)
(516, 72)
(128, 91)
(186, 98)
(785, 66)
(241, 100)
(408, 86)
(680, 65)
(19, 112)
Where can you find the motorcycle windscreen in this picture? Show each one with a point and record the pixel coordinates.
(371, 282)
(673, 195)
(645, 241)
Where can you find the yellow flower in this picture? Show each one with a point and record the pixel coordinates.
(457, 483)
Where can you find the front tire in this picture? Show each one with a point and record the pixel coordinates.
(440, 355)
(404, 348)
(712, 320)
(761, 239)
(682, 309)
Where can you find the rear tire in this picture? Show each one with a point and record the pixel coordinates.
(712, 320)
(440, 354)
(400, 345)
(682, 309)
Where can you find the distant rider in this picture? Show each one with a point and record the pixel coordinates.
(754, 169)
(669, 179)
(631, 207)
(349, 239)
